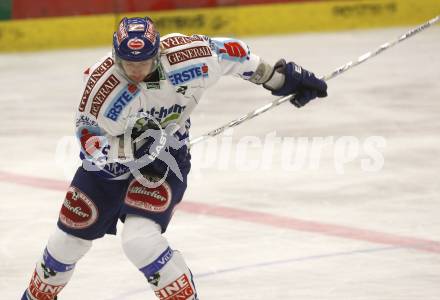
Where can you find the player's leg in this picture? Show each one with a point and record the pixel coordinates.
(55, 268)
(90, 210)
(148, 212)
(163, 267)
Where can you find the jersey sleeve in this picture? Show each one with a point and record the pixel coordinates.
(216, 57)
(234, 57)
(98, 138)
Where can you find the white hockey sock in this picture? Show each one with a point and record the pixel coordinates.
(165, 269)
(56, 266)
(47, 281)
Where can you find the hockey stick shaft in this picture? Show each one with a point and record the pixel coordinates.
(332, 75)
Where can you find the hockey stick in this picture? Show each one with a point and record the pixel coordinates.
(335, 73)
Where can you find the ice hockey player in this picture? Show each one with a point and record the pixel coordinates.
(147, 86)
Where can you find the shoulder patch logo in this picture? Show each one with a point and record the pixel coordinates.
(232, 50)
(179, 40)
(187, 54)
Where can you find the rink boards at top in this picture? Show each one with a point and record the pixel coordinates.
(89, 31)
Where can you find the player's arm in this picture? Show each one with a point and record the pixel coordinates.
(99, 137)
(97, 145)
(284, 78)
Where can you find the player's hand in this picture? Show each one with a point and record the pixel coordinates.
(300, 82)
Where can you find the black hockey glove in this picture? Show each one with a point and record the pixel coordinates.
(300, 82)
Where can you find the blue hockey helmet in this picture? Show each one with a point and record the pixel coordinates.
(136, 39)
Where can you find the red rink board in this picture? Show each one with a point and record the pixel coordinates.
(23, 9)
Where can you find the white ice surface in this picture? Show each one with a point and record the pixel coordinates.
(395, 96)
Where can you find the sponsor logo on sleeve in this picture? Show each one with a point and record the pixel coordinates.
(188, 73)
(232, 50)
(121, 101)
(78, 211)
(93, 79)
(187, 54)
(104, 91)
(178, 289)
(179, 40)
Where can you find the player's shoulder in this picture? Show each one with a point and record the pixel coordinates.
(177, 41)
(101, 80)
(177, 48)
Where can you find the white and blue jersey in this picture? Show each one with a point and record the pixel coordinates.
(188, 66)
